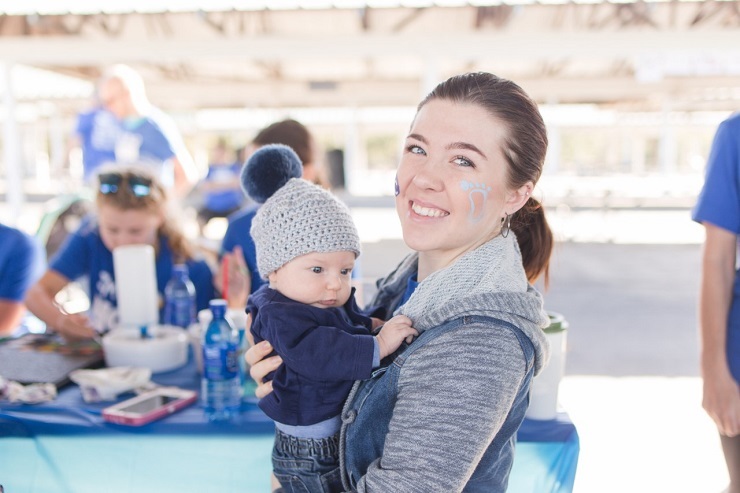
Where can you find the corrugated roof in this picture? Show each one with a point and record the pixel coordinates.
(56, 7)
(584, 51)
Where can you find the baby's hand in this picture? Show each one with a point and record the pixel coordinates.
(393, 333)
(376, 322)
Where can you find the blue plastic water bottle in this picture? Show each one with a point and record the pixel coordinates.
(220, 386)
(179, 296)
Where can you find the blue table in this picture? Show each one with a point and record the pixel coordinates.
(65, 447)
(546, 456)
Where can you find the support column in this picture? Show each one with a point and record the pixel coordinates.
(352, 152)
(11, 149)
(667, 152)
(431, 77)
(638, 153)
(57, 145)
(554, 141)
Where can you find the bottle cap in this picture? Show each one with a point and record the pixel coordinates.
(557, 323)
(218, 307)
(180, 269)
(217, 302)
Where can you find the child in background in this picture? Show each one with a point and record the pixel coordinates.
(306, 249)
(132, 208)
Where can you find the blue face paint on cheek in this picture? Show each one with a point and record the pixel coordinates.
(397, 190)
(477, 195)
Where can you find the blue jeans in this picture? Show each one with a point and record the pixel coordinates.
(307, 465)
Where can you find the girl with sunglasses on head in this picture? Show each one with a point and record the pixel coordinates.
(441, 414)
(132, 208)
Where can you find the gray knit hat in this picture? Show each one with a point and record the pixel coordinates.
(296, 218)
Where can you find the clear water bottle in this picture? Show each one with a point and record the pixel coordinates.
(221, 385)
(179, 296)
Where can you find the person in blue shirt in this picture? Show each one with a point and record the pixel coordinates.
(132, 208)
(237, 246)
(148, 136)
(221, 188)
(718, 210)
(96, 131)
(21, 264)
(306, 249)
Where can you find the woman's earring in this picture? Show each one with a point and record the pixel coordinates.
(505, 225)
(397, 190)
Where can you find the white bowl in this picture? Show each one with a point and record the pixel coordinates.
(165, 349)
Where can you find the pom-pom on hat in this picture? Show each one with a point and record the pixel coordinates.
(297, 217)
(269, 168)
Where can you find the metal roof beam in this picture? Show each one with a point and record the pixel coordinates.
(57, 7)
(64, 51)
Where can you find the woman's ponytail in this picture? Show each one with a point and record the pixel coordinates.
(535, 240)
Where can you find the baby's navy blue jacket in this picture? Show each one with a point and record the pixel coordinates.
(322, 355)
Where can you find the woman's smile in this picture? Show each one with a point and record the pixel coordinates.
(427, 210)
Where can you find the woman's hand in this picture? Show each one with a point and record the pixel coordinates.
(261, 366)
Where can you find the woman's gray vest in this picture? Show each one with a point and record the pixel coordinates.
(369, 407)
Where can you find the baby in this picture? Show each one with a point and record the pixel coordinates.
(306, 247)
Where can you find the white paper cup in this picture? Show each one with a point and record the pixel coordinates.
(543, 397)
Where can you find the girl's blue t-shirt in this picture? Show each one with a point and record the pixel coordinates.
(83, 254)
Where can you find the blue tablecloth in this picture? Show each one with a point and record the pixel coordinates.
(546, 456)
(65, 447)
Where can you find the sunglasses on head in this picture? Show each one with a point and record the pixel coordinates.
(111, 183)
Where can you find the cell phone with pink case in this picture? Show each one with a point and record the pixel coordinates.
(149, 406)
